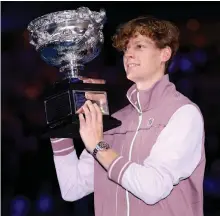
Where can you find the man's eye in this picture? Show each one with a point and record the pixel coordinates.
(124, 49)
(139, 46)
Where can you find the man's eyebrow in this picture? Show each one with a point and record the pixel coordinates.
(138, 41)
(143, 41)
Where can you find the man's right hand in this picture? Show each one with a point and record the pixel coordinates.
(101, 98)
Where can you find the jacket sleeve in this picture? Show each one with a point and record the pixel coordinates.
(175, 155)
(75, 176)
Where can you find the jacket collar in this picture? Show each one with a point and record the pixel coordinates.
(144, 100)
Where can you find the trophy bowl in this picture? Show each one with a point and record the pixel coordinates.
(68, 40)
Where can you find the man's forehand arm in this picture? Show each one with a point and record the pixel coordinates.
(106, 158)
(75, 176)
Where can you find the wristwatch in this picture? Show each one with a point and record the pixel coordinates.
(101, 146)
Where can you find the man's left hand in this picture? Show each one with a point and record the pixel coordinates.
(91, 125)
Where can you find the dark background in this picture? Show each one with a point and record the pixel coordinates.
(29, 183)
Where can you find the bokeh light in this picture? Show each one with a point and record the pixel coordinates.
(186, 64)
(44, 203)
(199, 56)
(174, 65)
(193, 25)
(212, 186)
(200, 40)
(20, 206)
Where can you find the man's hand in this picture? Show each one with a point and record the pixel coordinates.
(91, 125)
(99, 98)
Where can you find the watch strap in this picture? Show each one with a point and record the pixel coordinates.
(99, 147)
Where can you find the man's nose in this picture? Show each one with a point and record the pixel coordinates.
(129, 54)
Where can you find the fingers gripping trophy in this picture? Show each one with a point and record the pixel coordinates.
(68, 40)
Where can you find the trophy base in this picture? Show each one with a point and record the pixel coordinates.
(70, 129)
(62, 102)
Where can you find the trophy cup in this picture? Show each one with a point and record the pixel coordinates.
(68, 40)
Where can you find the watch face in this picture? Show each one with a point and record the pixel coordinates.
(102, 145)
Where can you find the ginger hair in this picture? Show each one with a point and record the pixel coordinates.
(162, 32)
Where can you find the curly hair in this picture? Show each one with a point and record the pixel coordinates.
(162, 32)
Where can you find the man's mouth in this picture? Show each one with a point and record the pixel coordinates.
(131, 65)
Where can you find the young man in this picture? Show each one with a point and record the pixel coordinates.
(153, 164)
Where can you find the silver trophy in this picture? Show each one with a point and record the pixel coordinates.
(68, 40)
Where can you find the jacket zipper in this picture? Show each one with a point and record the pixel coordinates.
(131, 147)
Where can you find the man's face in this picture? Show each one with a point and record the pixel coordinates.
(142, 59)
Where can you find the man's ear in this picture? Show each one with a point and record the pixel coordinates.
(166, 54)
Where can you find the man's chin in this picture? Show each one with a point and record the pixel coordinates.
(130, 77)
(134, 78)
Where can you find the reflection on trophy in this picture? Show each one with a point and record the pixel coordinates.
(68, 40)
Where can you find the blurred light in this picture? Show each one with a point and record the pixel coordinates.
(20, 206)
(174, 65)
(45, 203)
(33, 91)
(193, 24)
(199, 56)
(171, 68)
(200, 40)
(186, 65)
(211, 186)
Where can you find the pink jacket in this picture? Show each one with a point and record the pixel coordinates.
(161, 165)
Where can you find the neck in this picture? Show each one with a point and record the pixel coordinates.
(149, 82)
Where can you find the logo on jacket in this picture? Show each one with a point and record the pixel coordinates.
(150, 122)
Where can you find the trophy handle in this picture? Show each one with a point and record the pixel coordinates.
(86, 36)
